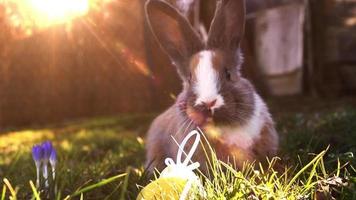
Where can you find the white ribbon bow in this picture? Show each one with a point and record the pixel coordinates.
(183, 169)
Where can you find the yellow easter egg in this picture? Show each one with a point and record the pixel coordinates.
(163, 189)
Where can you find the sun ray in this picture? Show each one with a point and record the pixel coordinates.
(54, 11)
(39, 14)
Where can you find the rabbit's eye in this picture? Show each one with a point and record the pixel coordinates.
(228, 74)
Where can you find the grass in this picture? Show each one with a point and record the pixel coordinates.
(102, 159)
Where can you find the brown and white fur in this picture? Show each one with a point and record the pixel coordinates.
(215, 97)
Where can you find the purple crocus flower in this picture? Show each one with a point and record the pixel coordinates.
(43, 155)
(37, 155)
(53, 162)
(47, 150)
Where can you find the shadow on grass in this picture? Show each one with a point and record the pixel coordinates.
(305, 133)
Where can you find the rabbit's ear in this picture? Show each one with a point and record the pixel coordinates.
(174, 33)
(228, 25)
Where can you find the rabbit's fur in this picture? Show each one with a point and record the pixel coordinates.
(215, 97)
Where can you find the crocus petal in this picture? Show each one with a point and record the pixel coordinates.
(37, 153)
(53, 158)
(45, 173)
(47, 149)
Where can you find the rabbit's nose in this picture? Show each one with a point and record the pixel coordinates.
(210, 104)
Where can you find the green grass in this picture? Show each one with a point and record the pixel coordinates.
(103, 158)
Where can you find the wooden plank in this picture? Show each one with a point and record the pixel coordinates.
(279, 39)
(279, 45)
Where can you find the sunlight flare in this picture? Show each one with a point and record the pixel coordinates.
(48, 12)
(36, 14)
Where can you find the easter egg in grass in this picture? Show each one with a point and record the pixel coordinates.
(178, 180)
(163, 189)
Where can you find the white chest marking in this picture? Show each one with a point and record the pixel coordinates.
(207, 83)
(246, 135)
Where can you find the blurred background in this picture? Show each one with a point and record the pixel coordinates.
(72, 59)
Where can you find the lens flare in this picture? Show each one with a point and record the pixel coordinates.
(48, 12)
(36, 14)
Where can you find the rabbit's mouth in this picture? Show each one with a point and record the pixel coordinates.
(200, 117)
(200, 114)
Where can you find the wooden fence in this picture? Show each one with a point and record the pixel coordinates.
(109, 64)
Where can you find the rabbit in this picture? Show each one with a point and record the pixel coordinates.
(215, 97)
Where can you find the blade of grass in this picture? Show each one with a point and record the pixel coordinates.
(125, 185)
(300, 172)
(3, 193)
(313, 172)
(34, 191)
(59, 196)
(338, 168)
(352, 167)
(9, 186)
(111, 194)
(322, 166)
(97, 185)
